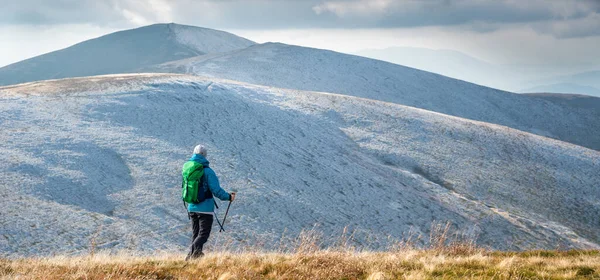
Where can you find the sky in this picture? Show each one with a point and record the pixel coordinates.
(547, 33)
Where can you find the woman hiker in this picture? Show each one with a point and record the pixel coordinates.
(201, 214)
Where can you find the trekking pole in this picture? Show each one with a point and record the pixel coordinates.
(219, 223)
(225, 218)
(217, 217)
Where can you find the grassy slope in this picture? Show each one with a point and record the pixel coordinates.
(403, 264)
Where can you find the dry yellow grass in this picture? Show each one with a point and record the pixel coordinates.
(404, 264)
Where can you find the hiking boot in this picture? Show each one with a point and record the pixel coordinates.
(194, 256)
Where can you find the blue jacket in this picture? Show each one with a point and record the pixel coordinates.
(208, 205)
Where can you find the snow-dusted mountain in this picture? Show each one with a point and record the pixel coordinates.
(302, 68)
(123, 52)
(590, 78)
(192, 50)
(97, 160)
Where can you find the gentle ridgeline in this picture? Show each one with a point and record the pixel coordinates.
(101, 158)
(294, 67)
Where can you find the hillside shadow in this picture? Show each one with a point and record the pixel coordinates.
(82, 174)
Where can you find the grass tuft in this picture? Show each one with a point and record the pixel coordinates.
(585, 271)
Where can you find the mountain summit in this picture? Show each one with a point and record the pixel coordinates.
(123, 52)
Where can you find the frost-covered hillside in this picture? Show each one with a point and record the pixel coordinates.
(96, 161)
(302, 68)
(123, 52)
(176, 48)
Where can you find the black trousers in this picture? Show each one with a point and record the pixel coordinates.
(201, 226)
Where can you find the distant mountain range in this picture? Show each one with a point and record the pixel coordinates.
(591, 78)
(449, 63)
(582, 83)
(517, 78)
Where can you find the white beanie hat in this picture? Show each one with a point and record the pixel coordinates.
(200, 150)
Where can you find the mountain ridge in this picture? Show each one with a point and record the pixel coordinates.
(287, 66)
(294, 67)
(122, 52)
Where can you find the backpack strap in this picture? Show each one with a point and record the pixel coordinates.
(184, 205)
(205, 184)
(186, 210)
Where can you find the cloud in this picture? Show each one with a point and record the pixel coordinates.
(361, 7)
(101, 13)
(408, 13)
(560, 18)
(583, 27)
(564, 19)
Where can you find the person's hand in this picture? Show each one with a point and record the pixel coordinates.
(232, 196)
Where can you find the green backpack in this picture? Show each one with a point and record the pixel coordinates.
(192, 188)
